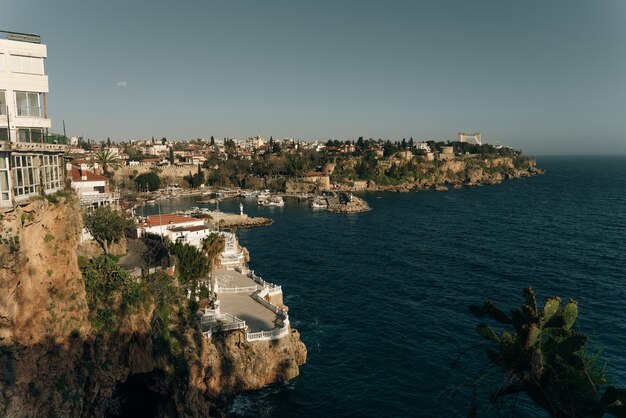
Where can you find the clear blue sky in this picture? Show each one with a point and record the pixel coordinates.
(544, 76)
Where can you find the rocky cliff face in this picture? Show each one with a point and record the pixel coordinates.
(52, 363)
(458, 172)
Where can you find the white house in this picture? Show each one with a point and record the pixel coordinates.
(175, 227)
(92, 189)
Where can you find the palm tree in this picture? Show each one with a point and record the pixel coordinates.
(107, 160)
(213, 245)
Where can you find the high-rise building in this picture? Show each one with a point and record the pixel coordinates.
(30, 162)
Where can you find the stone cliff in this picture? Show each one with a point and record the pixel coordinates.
(54, 363)
(455, 172)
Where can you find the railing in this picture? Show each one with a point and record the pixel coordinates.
(259, 297)
(235, 323)
(246, 289)
(274, 288)
(274, 334)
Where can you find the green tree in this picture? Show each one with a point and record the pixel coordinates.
(213, 245)
(171, 156)
(545, 358)
(192, 265)
(107, 225)
(150, 180)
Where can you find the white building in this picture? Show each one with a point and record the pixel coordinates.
(28, 164)
(423, 146)
(176, 227)
(92, 189)
(474, 138)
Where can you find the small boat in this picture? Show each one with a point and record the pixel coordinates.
(248, 193)
(319, 203)
(272, 200)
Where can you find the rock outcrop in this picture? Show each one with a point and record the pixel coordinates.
(53, 363)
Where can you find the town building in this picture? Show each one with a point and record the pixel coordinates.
(176, 228)
(30, 164)
(92, 188)
(469, 138)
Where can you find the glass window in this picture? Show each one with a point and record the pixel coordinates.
(3, 103)
(27, 103)
(4, 135)
(24, 175)
(30, 135)
(28, 65)
(4, 179)
(50, 172)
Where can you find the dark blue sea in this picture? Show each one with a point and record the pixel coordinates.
(380, 298)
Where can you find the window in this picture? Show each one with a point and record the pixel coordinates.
(27, 103)
(4, 179)
(50, 172)
(27, 65)
(4, 134)
(24, 175)
(30, 135)
(3, 103)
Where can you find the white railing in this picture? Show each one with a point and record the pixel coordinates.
(260, 297)
(235, 323)
(274, 334)
(274, 288)
(246, 289)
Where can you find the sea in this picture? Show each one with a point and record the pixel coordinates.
(381, 298)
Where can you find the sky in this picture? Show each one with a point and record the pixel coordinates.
(544, 76)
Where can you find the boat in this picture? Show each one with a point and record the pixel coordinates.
(319, 202)
(248, 193)
(272, 200)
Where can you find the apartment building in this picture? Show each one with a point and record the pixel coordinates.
(29, 164)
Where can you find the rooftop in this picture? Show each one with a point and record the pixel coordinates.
(21, 37)
(168, 219)
(89, 176)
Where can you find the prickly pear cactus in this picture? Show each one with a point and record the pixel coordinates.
(543, 356)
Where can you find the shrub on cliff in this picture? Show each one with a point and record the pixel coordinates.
(543, 357)
(110, 291)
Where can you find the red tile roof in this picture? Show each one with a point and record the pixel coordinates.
(76, 175)
(168, 219)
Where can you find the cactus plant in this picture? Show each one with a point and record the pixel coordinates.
(546, 359)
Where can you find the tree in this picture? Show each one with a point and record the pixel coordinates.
(108, 160)
(212, 141)
(545, 358)
(108, 142)
(149, 181)
(171, 156)
(213, 245)
(163, 141)
(107, 225)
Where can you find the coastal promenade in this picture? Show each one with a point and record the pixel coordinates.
(236, 299)
(244, 301)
